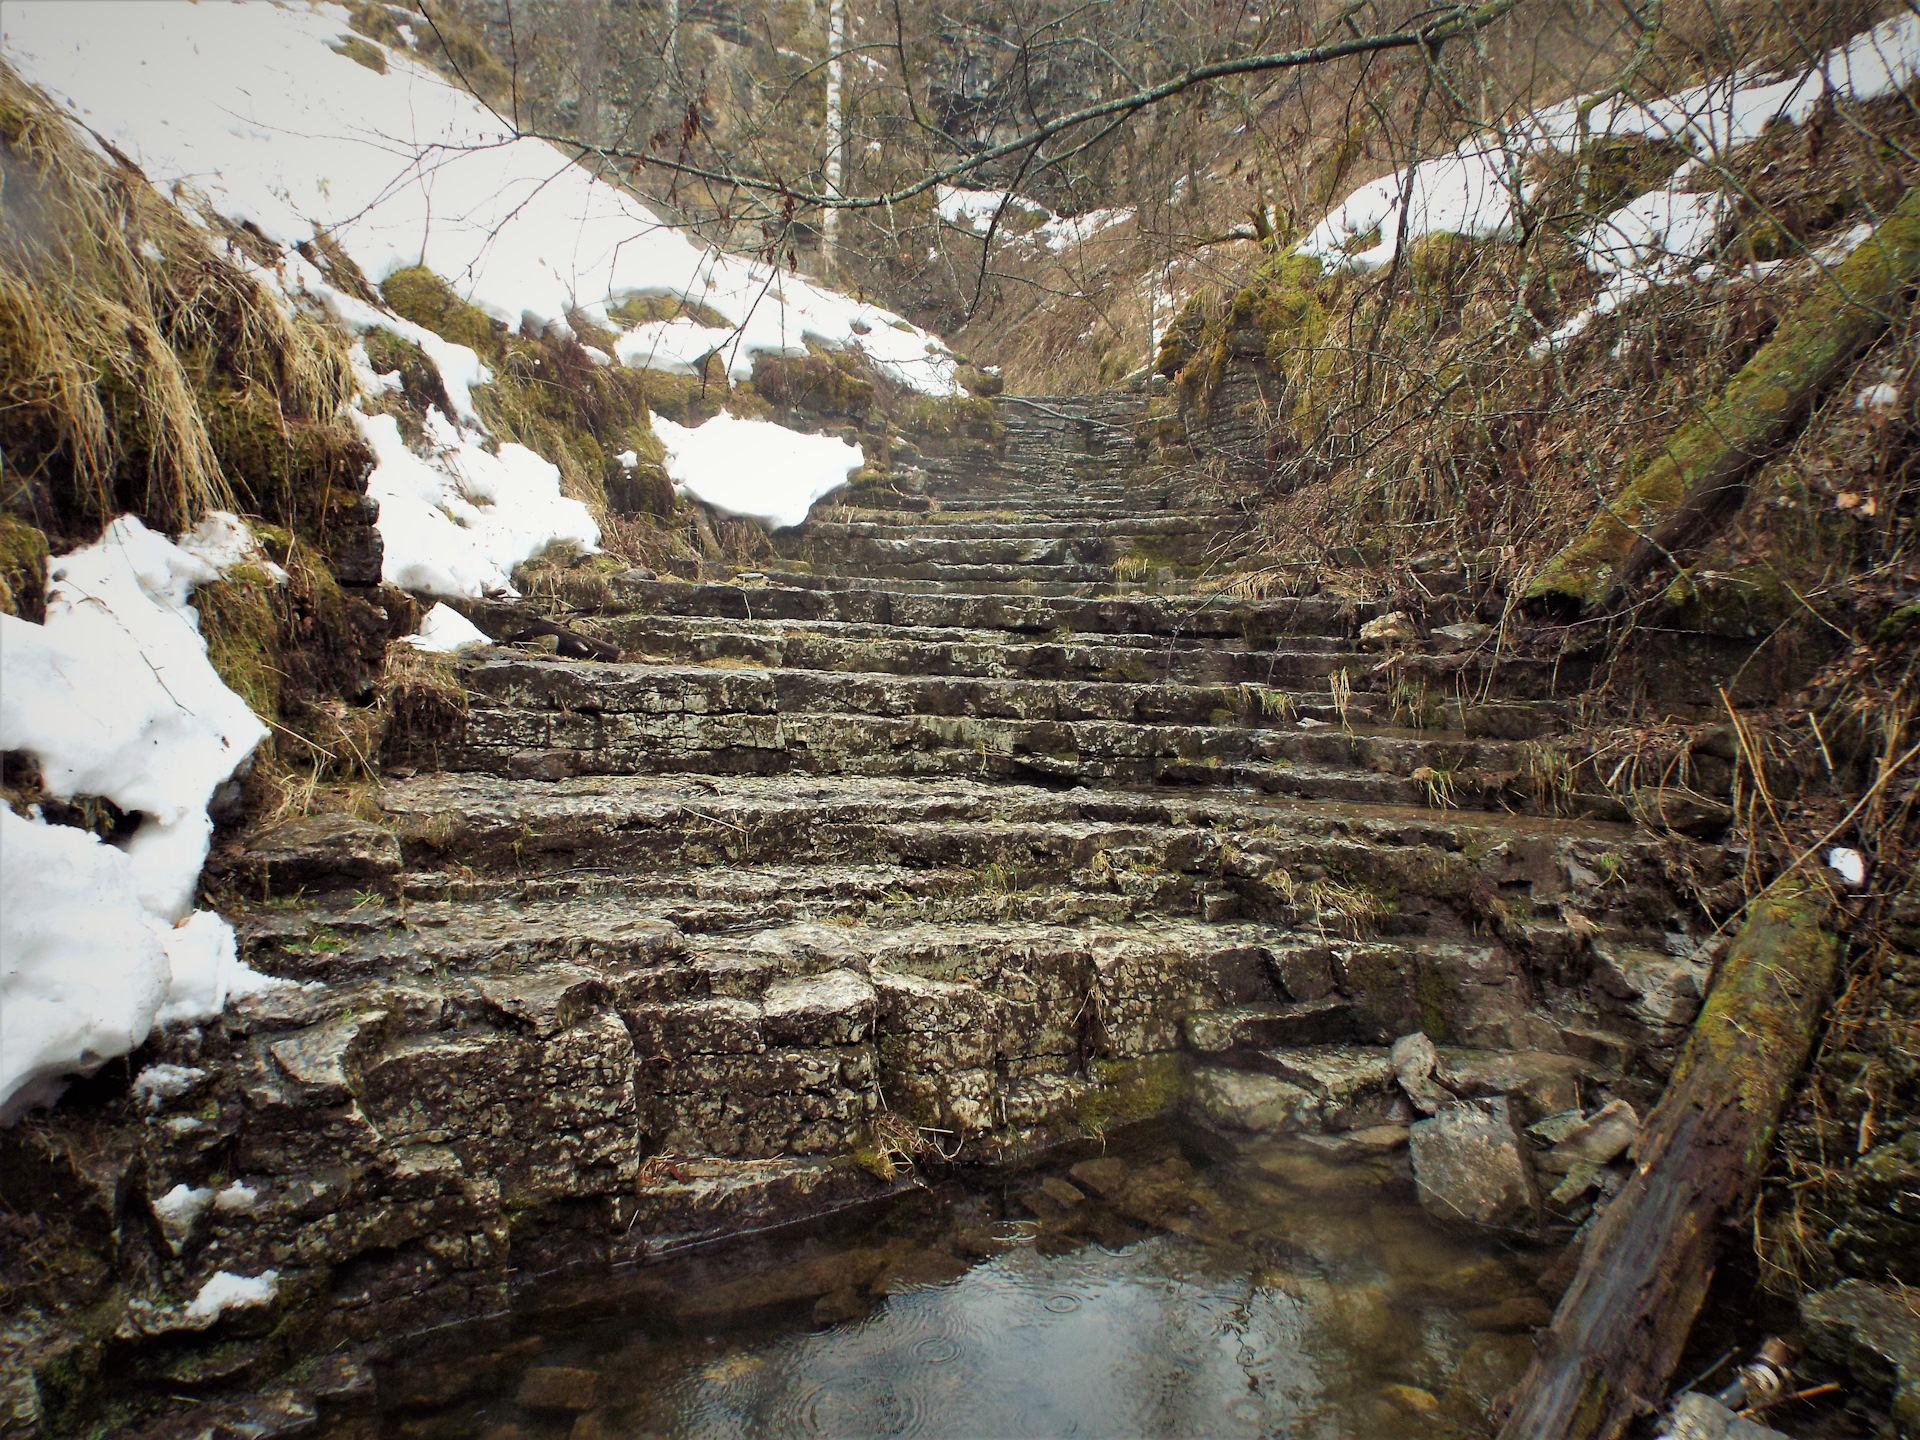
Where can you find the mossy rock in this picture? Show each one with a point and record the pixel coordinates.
(1898, 625)
(1128, 1091)
(420, 379)
(419, 295)
(306, 476)
(817, 384)
(239, 620)
(549, 395)
(1738, 603)
(930, 419)
(23, 569)
(361, 53)
(646, 309)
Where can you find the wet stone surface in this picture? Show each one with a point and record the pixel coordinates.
(1271, 1287)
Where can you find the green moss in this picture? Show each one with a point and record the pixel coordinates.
(818, 384)
(1746, 601)
(419, 295)
(1898, 624)
(646, 309)
(928, 417)
(1756, 1027)
(361, 53)
(420, 380)
(1125, 1091)
(23, 569)
(237, 617)
(307, 477)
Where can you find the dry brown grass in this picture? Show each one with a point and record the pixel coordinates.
(113, 307)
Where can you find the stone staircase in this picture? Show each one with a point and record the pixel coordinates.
(941, 839)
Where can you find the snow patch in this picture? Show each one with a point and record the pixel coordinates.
(228, 1291)
(182, 1206)
(113, 697)
(445, 631)
(755, 469)
(973, 210)
(459, 522)
(158, 1084)
(236, 1199)
(1850, 863)
(1657, 238)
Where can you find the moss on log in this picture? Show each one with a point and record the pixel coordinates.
(1619, 1330)
(1672, 492)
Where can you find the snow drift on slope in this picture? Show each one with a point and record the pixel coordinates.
(113, 696)
(755, 469)
(247, 104)
(973, 210)
(1656, 238)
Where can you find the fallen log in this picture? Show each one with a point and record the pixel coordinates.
(1610, 1352)
(1673, 493)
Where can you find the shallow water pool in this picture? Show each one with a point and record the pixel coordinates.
(1271, 1290)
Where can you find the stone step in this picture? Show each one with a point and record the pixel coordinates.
(538, 684)
(1308, 660)
(1043, 578)
(1332, 1088)
(1345, 866)
(848, 524)
(1226, 990)
(832, 547)
(547, 719)
(934, 650)
(862, 602)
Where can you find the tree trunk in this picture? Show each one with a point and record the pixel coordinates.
(836, 127)
(1672, 493)
(1610, 1352)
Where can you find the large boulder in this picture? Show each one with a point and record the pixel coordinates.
(1468, 1166)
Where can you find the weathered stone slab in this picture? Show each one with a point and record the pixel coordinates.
(1258, 1104)
(835, 1008)
(1874, 1332)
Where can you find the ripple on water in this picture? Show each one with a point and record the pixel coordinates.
(1308, 1326)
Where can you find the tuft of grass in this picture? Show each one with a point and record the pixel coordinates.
(117, 318)
(423, 700)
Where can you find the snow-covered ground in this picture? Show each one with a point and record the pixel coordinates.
(1660, 237)
(722, 463)
(114, 697)
(973, 211)
(253, 110)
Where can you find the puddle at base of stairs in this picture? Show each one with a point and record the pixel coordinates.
(1267, 1291)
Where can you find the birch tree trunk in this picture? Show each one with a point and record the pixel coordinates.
(836, 128)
